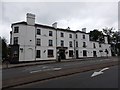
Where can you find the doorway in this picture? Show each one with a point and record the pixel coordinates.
(94, 54)
(77, 54)
(84, 53)
(62, 54)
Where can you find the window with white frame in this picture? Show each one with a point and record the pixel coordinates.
(16, 29)
(62, 34)
(70, 35)
(76, 43)
(50, 33)
(38, 53)
(62, 43)
(84, 44)
(70, 43)
(38, 42)
(15, 40)
(38, 31)
(83, 36)
(50, 53)
(50, 42)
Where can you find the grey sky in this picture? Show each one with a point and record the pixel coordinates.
(76, 15)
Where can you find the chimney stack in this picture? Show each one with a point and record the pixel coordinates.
(68, 28)
(54, 25)
(30, 19)
(84, 30)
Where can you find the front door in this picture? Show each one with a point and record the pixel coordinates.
(84, 53)
(94, 54)
(62, 54)
(76, 53)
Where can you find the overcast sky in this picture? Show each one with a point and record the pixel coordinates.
(76, 15)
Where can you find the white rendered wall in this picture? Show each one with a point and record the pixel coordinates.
(66, 40)
(44, 43)
(26, 40)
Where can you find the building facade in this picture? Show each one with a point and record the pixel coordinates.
(32, 42)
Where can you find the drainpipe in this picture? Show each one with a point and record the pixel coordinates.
(56, 47)
(74, 49)
(35, 44)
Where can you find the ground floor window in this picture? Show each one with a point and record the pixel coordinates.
(50, 53)
(70, 53)
(84, 53)
(38, 54)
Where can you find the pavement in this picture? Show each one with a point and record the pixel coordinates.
(33, 74)
(108, 79)
(7, 66)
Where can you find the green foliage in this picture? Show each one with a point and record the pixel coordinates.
(109, 32)
(113, 39)
(96, 35)
(4, 48)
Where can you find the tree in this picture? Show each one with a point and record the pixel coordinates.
(4, 48)
(116, 41)
(96, 35)
(109, 32)
(113, 39)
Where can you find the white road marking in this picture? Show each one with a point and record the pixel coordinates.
(35, 71)
(98, 73)
(45, 70)
(45, 67)
(57, 68)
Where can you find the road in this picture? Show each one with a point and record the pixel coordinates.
(24, 71)
(109, 79)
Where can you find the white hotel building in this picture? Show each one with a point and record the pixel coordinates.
(32, 42)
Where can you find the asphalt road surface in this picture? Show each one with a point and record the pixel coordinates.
(108, 79)
(24, 71)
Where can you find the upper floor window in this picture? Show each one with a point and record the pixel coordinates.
(84, 44)
(76, 43)
(83, 36)
(16, 29)
(76, 36)
(62, 34)
(38, 42)
(50, 42)
(38, 32)
(70, 43)
(62, 43)
(50, 33)
(94, 45)
(15, 40)
(38, 54)
(50, 53)
(70, 35)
